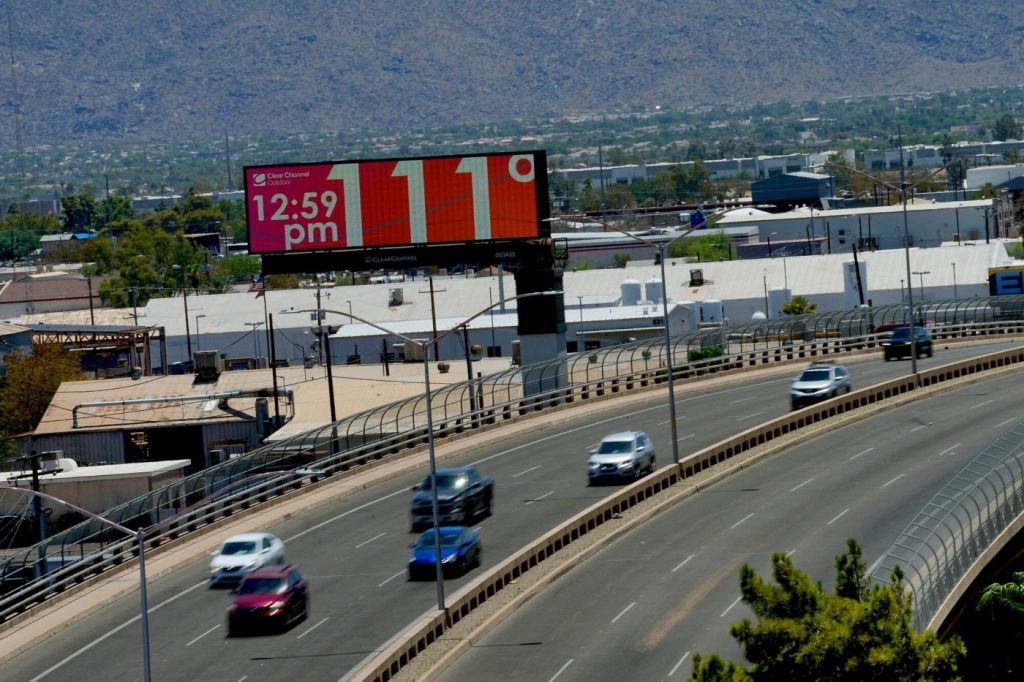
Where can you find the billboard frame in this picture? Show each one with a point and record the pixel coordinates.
(541, 205)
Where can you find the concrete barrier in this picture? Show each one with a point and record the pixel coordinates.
(401, 650)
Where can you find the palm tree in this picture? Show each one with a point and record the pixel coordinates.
(798, 305)
(1007, 599)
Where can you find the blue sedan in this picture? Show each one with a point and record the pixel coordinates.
(460, 551)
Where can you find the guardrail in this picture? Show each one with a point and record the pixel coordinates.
(340, 447)
(403, 649)
(955, 532)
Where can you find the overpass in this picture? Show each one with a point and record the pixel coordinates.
(815, 346)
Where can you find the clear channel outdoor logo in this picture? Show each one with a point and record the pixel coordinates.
(259, 180)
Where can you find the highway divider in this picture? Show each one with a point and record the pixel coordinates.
(402, 649)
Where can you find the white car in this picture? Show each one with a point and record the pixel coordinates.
(242, 554)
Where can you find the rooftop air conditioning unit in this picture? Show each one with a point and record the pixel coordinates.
(696, 277)
(50, 460)
(207, 363)
(397, 297)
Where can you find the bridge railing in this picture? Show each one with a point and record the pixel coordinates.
(952, 532)
(272, 470)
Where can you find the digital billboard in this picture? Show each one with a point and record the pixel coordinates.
(396, 202)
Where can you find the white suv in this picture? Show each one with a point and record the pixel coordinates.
(625, 455)
(819, 381)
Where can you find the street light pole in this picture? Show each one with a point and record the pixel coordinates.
(921, 274)
(662, 247)
(954, 280)
(140, 538)
(906, 253)
(425, 347)
(198, 337)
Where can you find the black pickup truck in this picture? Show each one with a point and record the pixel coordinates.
(463, 495)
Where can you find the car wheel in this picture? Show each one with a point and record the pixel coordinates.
(653, 466)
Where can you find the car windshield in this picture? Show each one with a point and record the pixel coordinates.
(614, 447)
(903, 333)
(815, 375)
(447, 481)
(449, 538)
(238, 547)
(262, 586)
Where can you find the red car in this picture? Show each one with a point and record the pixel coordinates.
(272, 597)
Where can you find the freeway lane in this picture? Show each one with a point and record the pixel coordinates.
(641, 606)
(354, 550)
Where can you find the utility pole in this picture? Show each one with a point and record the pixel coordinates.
(433, 312)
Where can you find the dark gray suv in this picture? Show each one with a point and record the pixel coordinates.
(898, 344)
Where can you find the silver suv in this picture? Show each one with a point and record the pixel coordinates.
(819, 381)
(625, 455)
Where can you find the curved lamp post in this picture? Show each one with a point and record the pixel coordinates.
(424, 348)
(140, 537)
(661, 248)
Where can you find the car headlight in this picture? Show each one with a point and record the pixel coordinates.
(448, 559)
(592, 465)
(276, 605)
(214, 569)
(625, 465)
(250, 566)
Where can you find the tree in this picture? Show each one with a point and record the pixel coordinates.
(79, 212)
(32, 380)
(1005, 600)
(1006, 128)
(798, 305)
(803, 633)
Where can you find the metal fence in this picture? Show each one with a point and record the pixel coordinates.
(956, 527)
(183, 506)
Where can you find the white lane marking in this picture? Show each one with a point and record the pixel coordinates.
(112, 632)
(841, 515)
(243, 678)
(560, 670)
(862, 452)
(682, 563)
(526, 472)
(1005, 422)
(886, 485)
(586, 427)
(749, 416)
(741, 520)
(731, 605)
(987, 402)
(791, 552)
(922, 426)
(679, 418)
(676, 666)
(689, 435)
(313, 628)
(623, 611)
(793, 490)
(950, 449)
(203, 635)
(540, 497)
(742, 400)
(342, 515)
(390, 579)
(366, 542)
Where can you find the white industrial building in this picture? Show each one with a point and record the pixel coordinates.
(809, 230)
(602, 306)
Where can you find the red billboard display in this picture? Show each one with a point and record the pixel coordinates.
(396, 202)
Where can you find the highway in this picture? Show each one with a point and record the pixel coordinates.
(641, 606)
(354, 550)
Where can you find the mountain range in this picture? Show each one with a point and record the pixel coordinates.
(144, 70)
